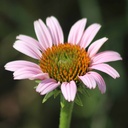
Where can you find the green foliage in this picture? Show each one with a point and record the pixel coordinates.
(54, 93)
(62, 102)
(78, 100)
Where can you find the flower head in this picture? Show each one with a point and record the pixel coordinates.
(63, 64)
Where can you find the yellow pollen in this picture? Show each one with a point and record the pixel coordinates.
(65, 62)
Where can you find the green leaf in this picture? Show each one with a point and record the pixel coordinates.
(56, 93)
(38, 81)
(86, 92)
(78, 100)
(83, 90)
(62, 104)
(35, 87)
(47, 96)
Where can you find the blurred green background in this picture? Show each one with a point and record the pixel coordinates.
(20, 105)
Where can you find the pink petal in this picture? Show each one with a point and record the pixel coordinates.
(99, 80)
(107, 69)
(26, 70)
(31, 75)
(88, 80)
(40, 76)
(15, 65)
(89, 34)
(69, 90)
(26, 73)
(94, 47)
(55, 30)
(46, 86)
(106, 56)
(44, 82)
(29, 40)
(43, 34)
(76, 31)
(27, 49)
(64, 90)
(73, 90)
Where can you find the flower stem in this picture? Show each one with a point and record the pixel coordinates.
(65, 113)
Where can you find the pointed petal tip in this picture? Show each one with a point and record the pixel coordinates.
(35, 22)
(102, 91)
(8, 66)
(105, 39)
(120, 58)
(117, 76)
(97, 25)
(17, 37)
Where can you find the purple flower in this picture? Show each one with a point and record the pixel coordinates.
(62, 65)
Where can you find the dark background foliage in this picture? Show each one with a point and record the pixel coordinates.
(20, 105)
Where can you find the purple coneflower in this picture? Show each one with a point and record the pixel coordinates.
(63, 64)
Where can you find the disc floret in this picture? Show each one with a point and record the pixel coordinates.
(65, 62)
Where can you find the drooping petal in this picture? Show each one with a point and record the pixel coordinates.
(25, 70)
(69, 90)
(31, 75)
(95, 46)
(44, 82)
(88, 80)
(99, 80)
(55, 30)
(27, 49)
(43, 34)
(106, 56)
(89, 34)
(46, 86)
(29, 40)
(39, 76)
(27, 73)
(73, 90)
(64, 90)
(107, 69)
(15, 65)
(76, 31)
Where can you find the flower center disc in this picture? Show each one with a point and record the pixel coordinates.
(64, 62)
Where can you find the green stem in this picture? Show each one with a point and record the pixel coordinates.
(65, 113)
